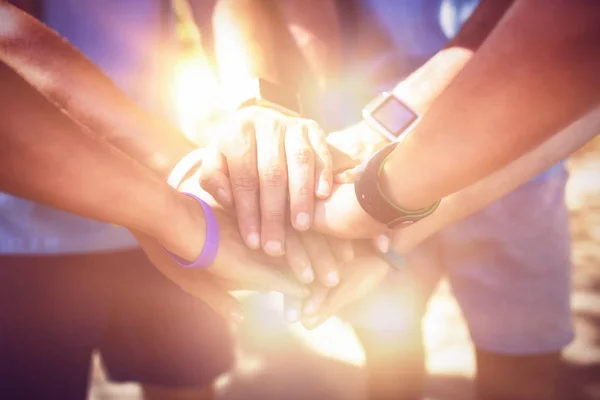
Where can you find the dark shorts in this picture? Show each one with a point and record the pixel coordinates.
(55, 310)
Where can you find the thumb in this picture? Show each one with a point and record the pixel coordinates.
(214, 177)
(347, 176)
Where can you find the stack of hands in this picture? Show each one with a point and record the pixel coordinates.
(284, 224)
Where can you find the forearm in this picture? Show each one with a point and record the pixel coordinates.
(245, 43)
(76, 85)
(524, 84)
(48, 158)
(420, 89)
(475, 197)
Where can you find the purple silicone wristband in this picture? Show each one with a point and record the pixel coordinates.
(211, 244)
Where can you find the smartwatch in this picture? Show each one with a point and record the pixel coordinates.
(271, 95)
(373, 200)
(389, 116)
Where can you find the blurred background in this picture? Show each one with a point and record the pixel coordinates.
(276, 360)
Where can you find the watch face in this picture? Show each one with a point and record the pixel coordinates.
(394, 116)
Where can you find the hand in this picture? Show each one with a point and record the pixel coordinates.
(359, 277)
(308, 251)
(268, 157)
(342, 216)
(311, 254)
(353, 144)
(201, 284)
(234, 261)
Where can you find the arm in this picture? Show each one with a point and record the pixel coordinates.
(419, 90)
(524, 84)
(478, 130)
(473, 198)
(76, 85)
(245, 44)
(341, 214)
(269, 156)
(48, 158)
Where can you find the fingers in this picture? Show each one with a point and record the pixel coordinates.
(272, 279)
(321, 257)
(208, 290)
(292, 309)
(197, 283)
(301, 175)
(360, 277)
(214, 177)
(313, 303)
(323, 161)
(298, 258)
(347, 176)
(272, 171)
(240, 151)
(342, 249)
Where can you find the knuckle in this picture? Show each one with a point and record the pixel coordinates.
(303, 156)
(274, 176)
(275, 215)
(246, 182)
(305, 190)
(278, 127)
(209, 182)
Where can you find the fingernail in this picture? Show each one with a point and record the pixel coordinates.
(292, 315)
(323, 188)
(253, 241)
(236, 317)
(310, 308)
(333, 278)
(383, 243)
(302, 221)
(307, 275)
(222, 196)
(274, 248)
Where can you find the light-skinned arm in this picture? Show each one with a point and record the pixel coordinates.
(269, 156)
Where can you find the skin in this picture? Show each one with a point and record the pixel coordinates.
(89, 97)
(96, 146)
(522, 66)
(420, 91)
(270, 157)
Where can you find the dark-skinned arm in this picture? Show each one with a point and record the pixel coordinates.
(525, 83)
(48, 158)
(75, 84)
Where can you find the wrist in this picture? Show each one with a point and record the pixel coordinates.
(371, 139)
(400, 186)
(184, 232)
(351, 146)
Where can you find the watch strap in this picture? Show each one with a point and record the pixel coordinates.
(271, 95)
(374, 201)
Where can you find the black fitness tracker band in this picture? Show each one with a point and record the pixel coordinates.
(372, 199)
